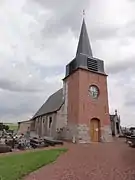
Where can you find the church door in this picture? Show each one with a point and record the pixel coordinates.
(95, 130)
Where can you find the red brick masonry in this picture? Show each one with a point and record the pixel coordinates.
(109, 161)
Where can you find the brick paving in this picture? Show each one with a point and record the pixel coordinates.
(107, 161)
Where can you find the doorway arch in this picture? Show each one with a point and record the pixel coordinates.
(95, 130)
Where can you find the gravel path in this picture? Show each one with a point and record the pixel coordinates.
(107, 161)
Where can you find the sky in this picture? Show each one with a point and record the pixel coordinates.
(39, 37)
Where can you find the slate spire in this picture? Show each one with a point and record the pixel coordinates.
(84, 44)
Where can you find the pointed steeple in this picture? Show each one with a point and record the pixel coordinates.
(84, 44)
(84, 58)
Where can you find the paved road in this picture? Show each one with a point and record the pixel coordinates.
(109, 161)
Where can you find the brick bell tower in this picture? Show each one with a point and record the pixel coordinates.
(86, 96)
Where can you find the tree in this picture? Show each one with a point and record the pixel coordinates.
(6, 127)
(1, 126)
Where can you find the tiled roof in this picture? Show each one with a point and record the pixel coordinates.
(53, 104)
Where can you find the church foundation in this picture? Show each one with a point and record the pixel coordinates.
(83, 133)
(106, 134)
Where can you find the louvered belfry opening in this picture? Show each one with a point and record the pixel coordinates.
(92, 64)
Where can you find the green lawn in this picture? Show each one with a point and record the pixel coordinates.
(15, 166)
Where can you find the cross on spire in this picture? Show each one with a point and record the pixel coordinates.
(83, 13)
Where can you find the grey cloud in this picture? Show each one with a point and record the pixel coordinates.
(132, 1)
(51, 71)
(129, 98)
(15, 111)
(46, 71)
(31, 87)
(124, 42)
(103, 32)
(11, 85)
(126, 30)
(130, 102)
(16, 104)
(129, 29)
(122, 66)
(24, 83)
(66, 7)
(65, 16)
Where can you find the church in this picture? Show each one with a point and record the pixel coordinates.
(79, 111)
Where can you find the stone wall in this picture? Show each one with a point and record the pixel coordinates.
(71, 133)
(77, 133)
(42, 125)
(83, 133)
(62, 115)
(106, 134)
(23, 127)
(61, 118)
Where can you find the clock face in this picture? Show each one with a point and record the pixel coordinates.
(94, 91)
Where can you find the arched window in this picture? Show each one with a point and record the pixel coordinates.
(50, 122)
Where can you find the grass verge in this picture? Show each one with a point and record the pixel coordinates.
(16, 166)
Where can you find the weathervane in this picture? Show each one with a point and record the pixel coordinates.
(83, 13)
